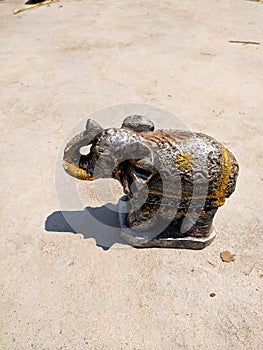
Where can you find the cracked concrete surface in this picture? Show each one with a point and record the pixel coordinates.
(63, 62)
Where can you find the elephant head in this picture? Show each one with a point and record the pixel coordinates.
(119, 153)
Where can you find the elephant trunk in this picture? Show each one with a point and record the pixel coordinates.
(72, 156)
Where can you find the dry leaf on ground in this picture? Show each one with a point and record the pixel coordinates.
(226, 256)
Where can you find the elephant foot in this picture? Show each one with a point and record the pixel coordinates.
(141, 220)
(199, 226)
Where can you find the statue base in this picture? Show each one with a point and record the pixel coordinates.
(144, 239)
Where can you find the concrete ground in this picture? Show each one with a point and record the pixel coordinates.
(59, 64)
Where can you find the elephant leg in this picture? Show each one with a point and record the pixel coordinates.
(146, 216)
(200, 225)
(143, 218)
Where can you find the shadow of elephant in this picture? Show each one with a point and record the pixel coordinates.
(100, 223)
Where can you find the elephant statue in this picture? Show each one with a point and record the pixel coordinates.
(173, 180)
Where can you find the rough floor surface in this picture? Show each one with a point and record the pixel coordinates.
(60, 63)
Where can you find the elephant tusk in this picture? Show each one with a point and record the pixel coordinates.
(76, 172)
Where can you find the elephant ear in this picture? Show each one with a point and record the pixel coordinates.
(138, 123)
(93, 126)
(92, 129)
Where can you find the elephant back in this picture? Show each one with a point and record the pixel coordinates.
(190, 163)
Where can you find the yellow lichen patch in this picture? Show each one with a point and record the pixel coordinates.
(220, 192)
(184, 160)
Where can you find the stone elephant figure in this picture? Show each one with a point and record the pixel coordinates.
(173, 179)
